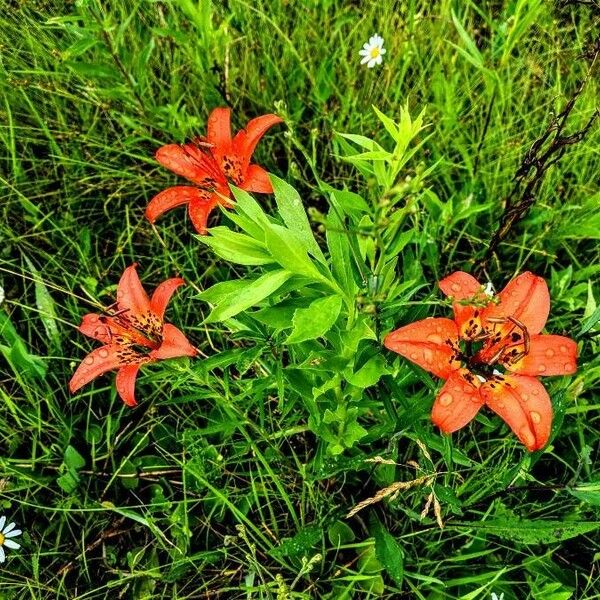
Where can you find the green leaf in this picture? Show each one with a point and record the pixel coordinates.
(73, 459)
(68, 482)
(218, 292)
(594, 318)
(249, 295)
(294, 216)
(370, 373)
(472, 53)
(315, 320)
(236, 247)
(587, 492)
(299, 545)
(532, 531)
(16, 353)
(340, 533)
(339, 251)
(388, 123)
(45, 305)
(388, 551)
(290, 253)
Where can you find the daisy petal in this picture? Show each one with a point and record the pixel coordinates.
(13, 533)
(365, 60)
(12, 545)
(2, 555)
(2, 521)
(8, 528)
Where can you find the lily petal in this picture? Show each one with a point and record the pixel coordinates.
(523, 403)
(548, 355)
(108, 330)
(245, 141)
(199, 211)
(94, 326)
(101, 360)
(219, 131)
(458, 401)
(525, 298)
(174, 344)
(162, 294)
(171, 198)
(427, 343)
(125, 383)
(135, 304)
(461, 287)
(257, 180)
(187, 161)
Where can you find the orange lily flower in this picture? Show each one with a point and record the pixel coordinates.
(212, 163)
(491, 353)
(135, 334)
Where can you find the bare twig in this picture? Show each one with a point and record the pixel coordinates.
(546, 151)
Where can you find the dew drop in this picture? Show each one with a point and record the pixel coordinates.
(455, 287)
(428, 355)
(89, 360)
(549, 353)
(103, 353)
(435, 338)
(535, 392)
(524, 397)
(535, 416)
(569, 367)
(414, 355)
(541, 368)
(446, 399)
(563, 349)
(501, 405)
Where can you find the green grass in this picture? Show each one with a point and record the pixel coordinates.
(194, 493)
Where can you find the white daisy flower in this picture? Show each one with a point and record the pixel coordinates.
(1, 294)
(373, 51)
(6, 533)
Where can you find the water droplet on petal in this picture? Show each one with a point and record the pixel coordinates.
(103, 353)
(535, 392)
(524, 397)
(563, 349)
(549, 353)
(446, 399)
(428, 355)
(414, 355)
(89, 360)
(541, 368)
(535, 416)
(569, 367)
(455, 287)
(436, 339)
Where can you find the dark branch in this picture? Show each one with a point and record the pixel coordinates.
(545, 152)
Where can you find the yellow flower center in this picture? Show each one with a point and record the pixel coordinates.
(374, 52)
(2, 538)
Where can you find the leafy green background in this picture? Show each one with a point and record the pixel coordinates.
(217, 485)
